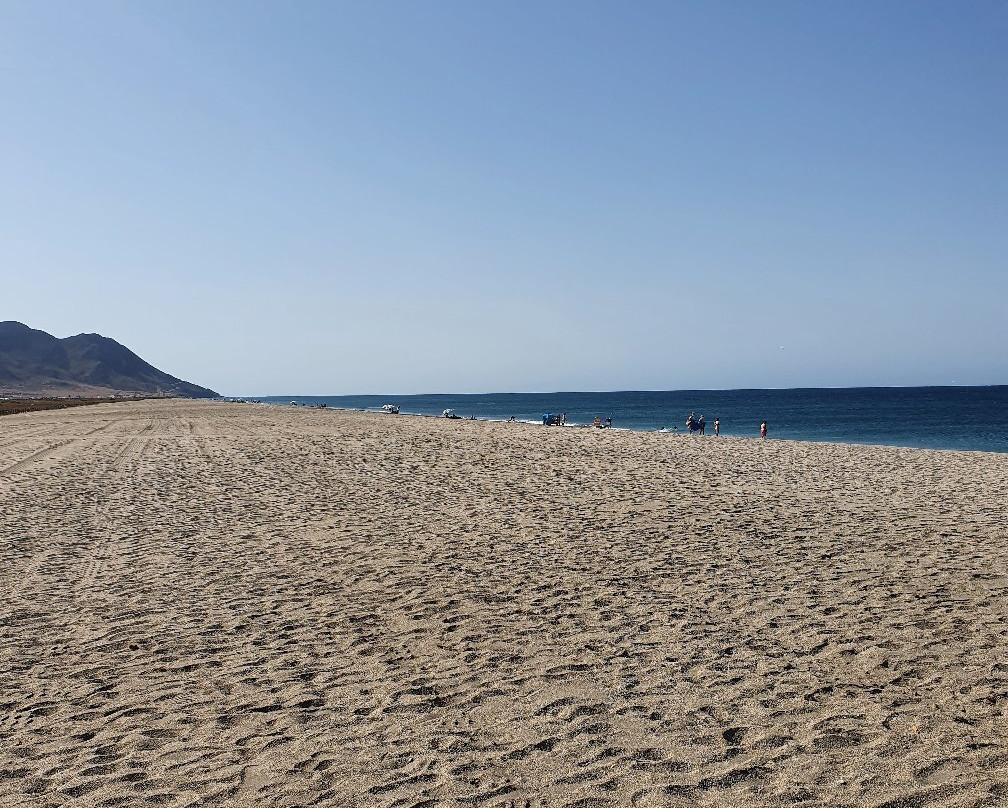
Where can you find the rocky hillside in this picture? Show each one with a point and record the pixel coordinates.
(34, 363)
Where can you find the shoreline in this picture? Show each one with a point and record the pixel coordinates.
(660, 431)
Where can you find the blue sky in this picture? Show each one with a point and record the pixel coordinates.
(326, 198)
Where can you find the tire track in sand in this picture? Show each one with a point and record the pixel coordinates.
(104, 520)
(39, 560)
(41, 454)
(45, 452)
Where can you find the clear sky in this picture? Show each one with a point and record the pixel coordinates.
(322, 197)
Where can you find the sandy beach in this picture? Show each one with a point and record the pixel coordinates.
(239, 605)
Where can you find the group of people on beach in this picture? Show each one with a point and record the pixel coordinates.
(695, 424)
(552, 419)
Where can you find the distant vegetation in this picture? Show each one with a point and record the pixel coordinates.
(12, 406)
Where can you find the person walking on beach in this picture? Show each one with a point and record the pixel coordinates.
(762, 430)
(717, 427)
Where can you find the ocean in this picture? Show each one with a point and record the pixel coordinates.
(965, 418)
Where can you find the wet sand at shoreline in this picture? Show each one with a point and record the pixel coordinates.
(240, 605)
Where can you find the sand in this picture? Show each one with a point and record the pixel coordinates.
(240, 605)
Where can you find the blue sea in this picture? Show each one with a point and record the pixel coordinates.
(966, 418)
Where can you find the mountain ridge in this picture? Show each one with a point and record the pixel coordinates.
(35, 363)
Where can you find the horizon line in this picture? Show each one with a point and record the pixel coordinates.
(613, 392)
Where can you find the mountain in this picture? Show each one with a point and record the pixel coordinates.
(34, 363)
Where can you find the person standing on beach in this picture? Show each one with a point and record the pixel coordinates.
(762, 430)
(717, 427)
